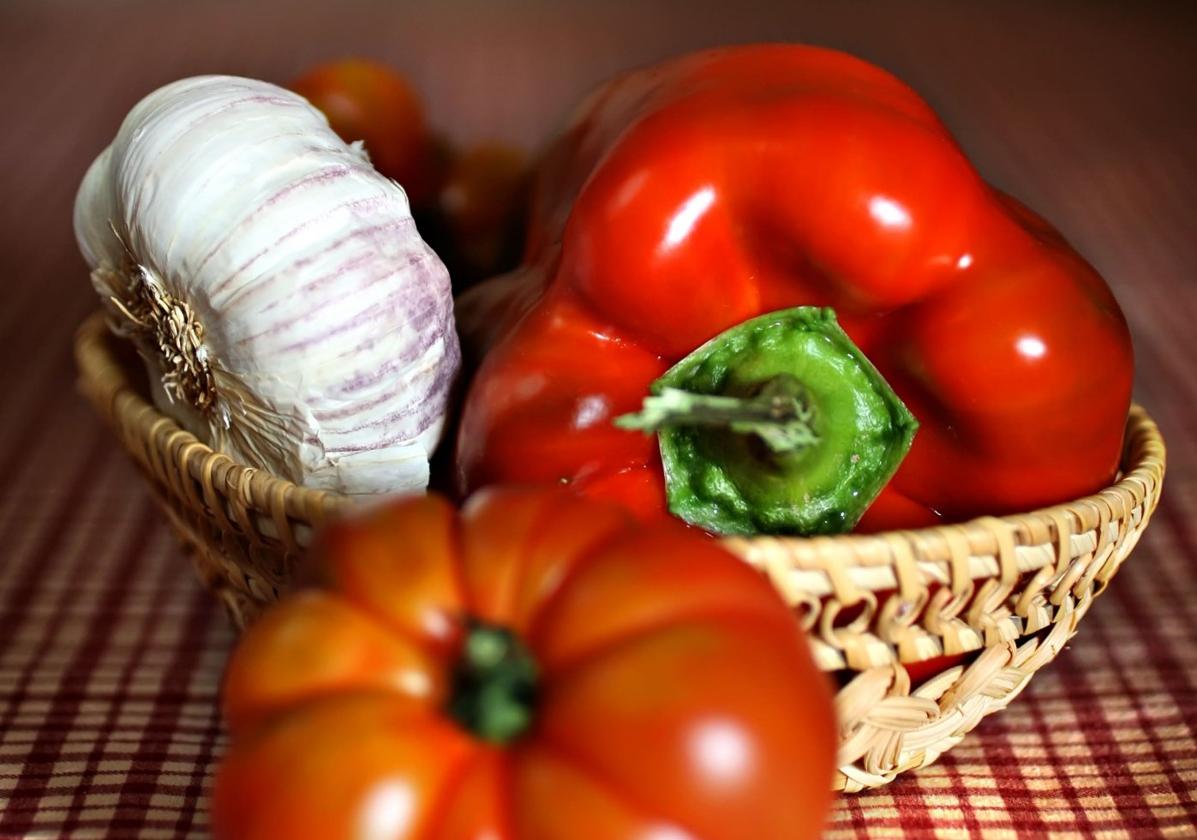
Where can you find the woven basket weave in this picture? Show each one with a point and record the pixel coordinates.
(1006, 593)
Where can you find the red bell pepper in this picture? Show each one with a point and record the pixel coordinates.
(688, 198)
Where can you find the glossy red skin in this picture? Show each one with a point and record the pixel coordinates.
(676, 690)
(366, 100)
(813, 178)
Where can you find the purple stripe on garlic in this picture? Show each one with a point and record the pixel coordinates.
(286, 307)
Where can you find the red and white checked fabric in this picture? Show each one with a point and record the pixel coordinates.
(111, 654)
(110, 667)
(109, 725)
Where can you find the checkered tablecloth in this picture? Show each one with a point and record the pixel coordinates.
(111, 654)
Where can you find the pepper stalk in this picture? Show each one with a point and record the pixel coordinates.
(833, 430)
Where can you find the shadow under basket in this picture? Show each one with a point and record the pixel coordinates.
(999, 597)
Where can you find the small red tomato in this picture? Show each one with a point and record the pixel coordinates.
(482, 202)
(535, 666)
(368, 101)
(484, 188)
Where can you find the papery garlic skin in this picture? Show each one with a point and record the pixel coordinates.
(227, 207)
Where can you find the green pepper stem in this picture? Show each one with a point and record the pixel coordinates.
(494, 684)
(781, 414)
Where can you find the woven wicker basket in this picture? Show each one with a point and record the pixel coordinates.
(1006, 593)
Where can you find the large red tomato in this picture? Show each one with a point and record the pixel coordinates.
(536, 667)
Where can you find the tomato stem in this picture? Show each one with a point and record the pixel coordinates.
(494, 684)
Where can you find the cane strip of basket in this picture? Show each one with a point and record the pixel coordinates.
(1004, 594)
(1013, 588)
(243, 528)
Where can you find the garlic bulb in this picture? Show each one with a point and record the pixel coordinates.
(287, 309)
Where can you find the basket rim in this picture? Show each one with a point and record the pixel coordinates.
(104, 378)
(1142, 468)
(990, 542)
